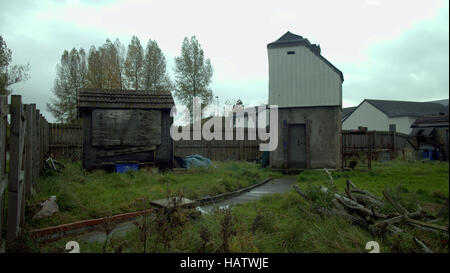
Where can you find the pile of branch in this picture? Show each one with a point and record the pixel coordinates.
(363, 209)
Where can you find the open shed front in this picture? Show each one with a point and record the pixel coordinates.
(126, 127)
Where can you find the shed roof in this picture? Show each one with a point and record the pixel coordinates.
(125, 99)
(291, 39)
(407, 108)
(431, 121)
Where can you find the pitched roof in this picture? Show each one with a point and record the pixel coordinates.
(347, 111)
(407, 108)
(291, 39)
(125, 99)
(443, 102)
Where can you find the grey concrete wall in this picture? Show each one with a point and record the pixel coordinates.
(323, 127)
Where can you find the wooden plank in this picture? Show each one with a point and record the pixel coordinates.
(3, 133)
(4, 111)
(126, 127)
(29, 151)
(126, 151)
(33, 139)
(38, 144)
(14, 185)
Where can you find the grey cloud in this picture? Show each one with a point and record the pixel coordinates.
(413, 66)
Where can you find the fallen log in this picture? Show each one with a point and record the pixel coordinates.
(427, 225)
(390, 221)
(367, 200)
(352, 205)
(394, 204)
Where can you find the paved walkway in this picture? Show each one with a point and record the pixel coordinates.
(278, 185)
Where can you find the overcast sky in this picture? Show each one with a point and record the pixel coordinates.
(395, 50)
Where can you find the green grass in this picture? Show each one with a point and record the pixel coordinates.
(427, 179)
(278, 223)
(85, 195)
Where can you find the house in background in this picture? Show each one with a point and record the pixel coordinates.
(308, 91)
(389, 115)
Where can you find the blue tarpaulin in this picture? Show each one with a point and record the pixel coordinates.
(193, 161)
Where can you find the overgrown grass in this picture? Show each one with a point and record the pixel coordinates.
(85, 195)
(283, 222)
(426, 181)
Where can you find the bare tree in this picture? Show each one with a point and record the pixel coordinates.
(10, 75)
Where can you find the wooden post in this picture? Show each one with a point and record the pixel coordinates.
(41, 142)
(369, 155)
(4, 111)
(34, 168)
(38, 160)
(29, 151)
(16, 174)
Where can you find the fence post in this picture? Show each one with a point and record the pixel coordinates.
(34, 168)
(41, 143)
(38, 144)
(29, 151)
(3, 179)
(15, 176)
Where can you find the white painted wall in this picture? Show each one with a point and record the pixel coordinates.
(403, 124)
(368, 116)
(302, 79)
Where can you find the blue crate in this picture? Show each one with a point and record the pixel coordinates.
(126, 167)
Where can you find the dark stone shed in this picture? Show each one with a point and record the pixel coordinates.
(126, 126)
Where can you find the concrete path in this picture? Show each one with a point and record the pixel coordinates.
(278, 185)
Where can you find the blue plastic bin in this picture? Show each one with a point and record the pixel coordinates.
(126, 167)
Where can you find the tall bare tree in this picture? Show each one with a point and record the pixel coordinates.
(134, 64)
(154, 70)
(10, 75)
(70, 79)
(192, 74)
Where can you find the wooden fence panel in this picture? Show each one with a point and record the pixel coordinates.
(4, 111)
(16, 171)
(28, 139)
(29, 150)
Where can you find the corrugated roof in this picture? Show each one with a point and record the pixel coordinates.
(291, 39)
(125, 99)
(408, 108)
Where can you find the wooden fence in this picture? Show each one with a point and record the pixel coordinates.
(373, 142)
(219, 150)
(22, 155)
(65, 140)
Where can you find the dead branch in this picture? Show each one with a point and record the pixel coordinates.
(302, 194)
(329, 175)
(422, 245)
(390, 221)
(427, 225)
(350, 183)
(367, 200)
(394, 204)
